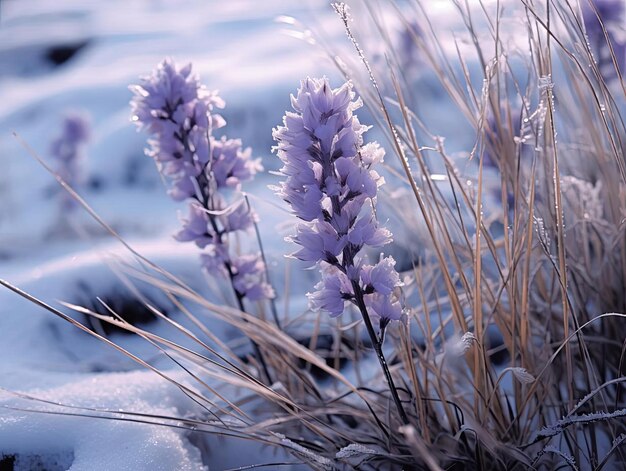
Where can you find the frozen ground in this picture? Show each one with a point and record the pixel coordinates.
(58, 56)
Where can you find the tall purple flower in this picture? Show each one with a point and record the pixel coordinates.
(67, 149)
(331, 186)
(178, 112)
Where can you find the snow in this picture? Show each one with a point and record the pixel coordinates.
(101, 444)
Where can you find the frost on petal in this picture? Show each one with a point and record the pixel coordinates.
(319, 241)
(382, 277)
(332, 292)
(367, 232)
(383, 306)
(372, 154)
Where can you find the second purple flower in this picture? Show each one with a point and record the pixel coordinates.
(178, 112)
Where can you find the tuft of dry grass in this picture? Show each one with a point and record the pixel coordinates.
(539, 271)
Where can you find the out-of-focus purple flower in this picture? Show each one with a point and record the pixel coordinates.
(231, 165)
(249, 277)
(178, 112)
(612, 14)
(75, 133)
(168, 97)
(408, 54)
(238, 217)
(196, 227)
(330, 185)
(215, 259)
(67, 150)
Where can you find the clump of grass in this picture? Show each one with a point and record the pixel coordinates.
(538, 280)
(543, 269)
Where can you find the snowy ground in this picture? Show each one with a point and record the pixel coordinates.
(58, 56)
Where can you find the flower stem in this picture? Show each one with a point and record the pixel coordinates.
(239, 296)
(358, 294)
(255, 346)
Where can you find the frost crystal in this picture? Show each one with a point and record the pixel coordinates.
(522, 375)
(354, 449)
(178, 112)
(331, 186)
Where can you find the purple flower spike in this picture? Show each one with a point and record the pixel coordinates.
(331, 186)
(178, 112)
